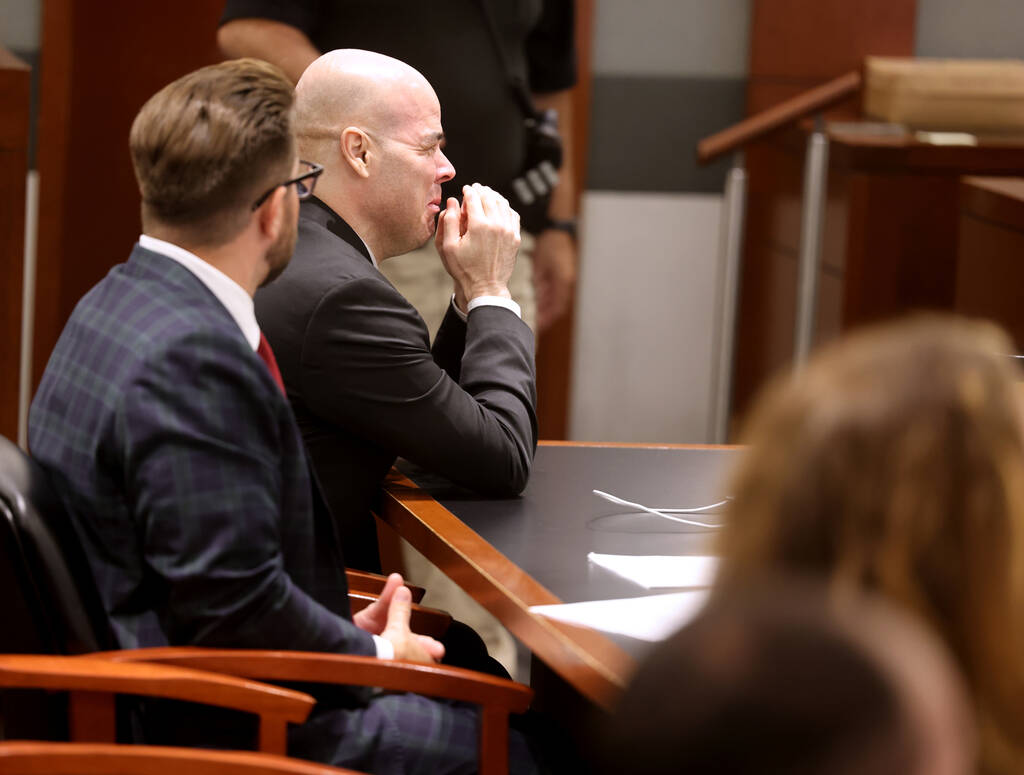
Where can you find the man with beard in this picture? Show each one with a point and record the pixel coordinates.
(162, 422)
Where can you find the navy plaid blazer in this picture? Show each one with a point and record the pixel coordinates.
(184, 474)
(180, 463)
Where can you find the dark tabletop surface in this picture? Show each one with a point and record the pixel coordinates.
(549, 530)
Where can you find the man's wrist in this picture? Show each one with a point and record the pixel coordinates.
(483, 289)
(487, 301)
(385, 648)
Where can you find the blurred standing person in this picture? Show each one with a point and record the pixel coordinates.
(485, 59)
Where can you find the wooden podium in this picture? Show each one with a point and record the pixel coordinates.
(990, 252)
(889, 244)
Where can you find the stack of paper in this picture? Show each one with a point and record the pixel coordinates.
(660, 571)
(650, 618)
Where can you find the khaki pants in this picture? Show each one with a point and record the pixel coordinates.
(421, 278)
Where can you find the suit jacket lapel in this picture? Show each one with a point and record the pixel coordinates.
(315, 210)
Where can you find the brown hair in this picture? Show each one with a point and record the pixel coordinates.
(895, 462)
(207, 145)
(767, 679)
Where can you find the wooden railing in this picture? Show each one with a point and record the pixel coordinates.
(810, 103)
(806, 104)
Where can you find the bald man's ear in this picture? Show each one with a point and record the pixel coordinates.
(355, 150)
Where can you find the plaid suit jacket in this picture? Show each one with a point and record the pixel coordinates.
(184, 474)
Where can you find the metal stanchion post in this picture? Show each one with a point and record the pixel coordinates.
(811, 226)
(731, 242)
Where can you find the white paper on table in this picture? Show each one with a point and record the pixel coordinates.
(650, 618)
(660, 571)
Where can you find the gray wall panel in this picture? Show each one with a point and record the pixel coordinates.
(671, 37)
(19, 24)
(978, 28)
(643, 132)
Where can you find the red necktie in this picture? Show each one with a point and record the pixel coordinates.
(267, 356)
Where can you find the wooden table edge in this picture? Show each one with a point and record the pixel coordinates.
(589, 661)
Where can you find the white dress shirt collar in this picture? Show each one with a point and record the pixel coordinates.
(234, 297)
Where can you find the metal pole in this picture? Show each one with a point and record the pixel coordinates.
(28, 304)
(730, 242)
(811, 226)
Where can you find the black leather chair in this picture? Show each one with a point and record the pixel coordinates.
(50, 603)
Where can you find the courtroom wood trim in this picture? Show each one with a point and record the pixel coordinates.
(426, 621)
(555, 345)
(15, 80)
(373, 583)
(634, 445)
(997, 200)
(589, 661)
(345, 669)
(809, 102)
(19, 757)
(53, 136)
(93, 674)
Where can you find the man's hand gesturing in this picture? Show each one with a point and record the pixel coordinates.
(478, 243)
(388, 616)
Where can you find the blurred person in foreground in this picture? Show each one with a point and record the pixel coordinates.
(780, 679)
(162, 421)
(894, 463)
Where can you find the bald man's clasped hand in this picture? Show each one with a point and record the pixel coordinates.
(478, 242)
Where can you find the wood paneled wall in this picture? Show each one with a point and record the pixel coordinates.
(98, 66)
(15, 77)
(554, 346)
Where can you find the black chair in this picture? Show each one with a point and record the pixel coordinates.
(49, 604)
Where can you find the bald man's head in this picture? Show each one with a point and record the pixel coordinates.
(351, 87)
(374, 123)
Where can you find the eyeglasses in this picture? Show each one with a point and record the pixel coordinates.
(304, 183)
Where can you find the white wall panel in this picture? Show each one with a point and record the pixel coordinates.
(645, 317)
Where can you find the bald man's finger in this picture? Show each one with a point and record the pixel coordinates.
(471, 204)
(448, 225)
(490, 201)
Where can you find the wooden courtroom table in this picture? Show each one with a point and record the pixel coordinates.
(532, 550)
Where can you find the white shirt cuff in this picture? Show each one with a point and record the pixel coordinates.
(385, 648)
(487, 301)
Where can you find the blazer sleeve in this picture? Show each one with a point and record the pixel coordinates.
(366, 365)
(202, 452)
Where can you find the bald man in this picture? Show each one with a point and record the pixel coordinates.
(362, 378)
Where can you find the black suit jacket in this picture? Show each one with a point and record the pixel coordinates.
(366, 387)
